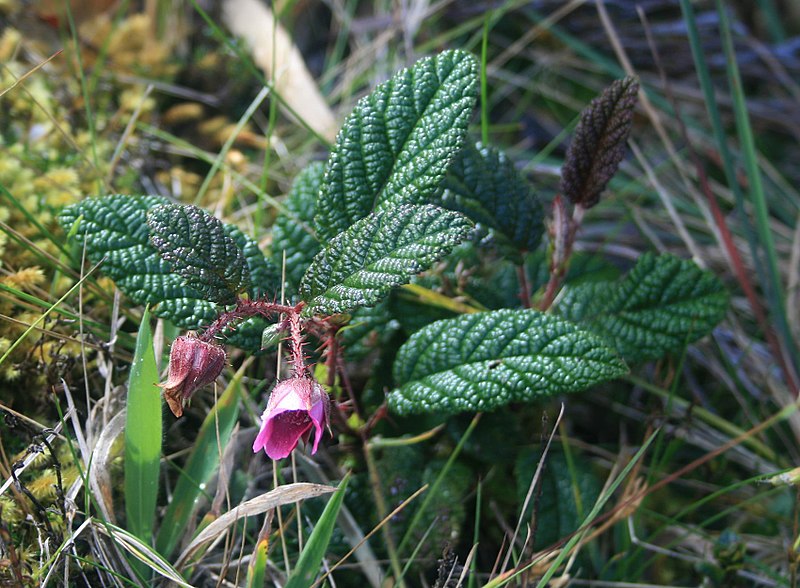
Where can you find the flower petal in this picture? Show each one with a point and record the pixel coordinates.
(280, 434)
(285, 398)
(294, 406)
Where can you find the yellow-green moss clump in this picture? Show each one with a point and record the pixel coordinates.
(52, 155)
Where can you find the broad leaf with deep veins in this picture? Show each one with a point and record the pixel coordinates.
(485, 360)
(660, 306)
(360, 266)
(484, 185)
(197, 247)
(398, 142)
(115, 231)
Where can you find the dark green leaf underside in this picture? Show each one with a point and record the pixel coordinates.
(198, 248)
(360, 266)
(115, 230)
(483, 184)
(660, 306)
(396, 145)
(485, 360)
(369, 329)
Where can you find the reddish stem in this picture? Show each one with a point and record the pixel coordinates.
(299, 368)
(331, 353)
(564, 230)
(248, 308)
(245, 309)
(524, 286)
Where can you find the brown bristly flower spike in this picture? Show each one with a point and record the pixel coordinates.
(598, 144)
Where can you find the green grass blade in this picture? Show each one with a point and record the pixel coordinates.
(307, 567)
(44, 315)
(605, 497)
(472, 582)
(709, 95)
(484, 80)
(773, 20)
(32, 219)
(210, 158)
(142, 436)
(84, 84)
(200, 466)
(142, 553)
(435, 486)
(226, 147)
(566, 550)
(758, 197)
(248, 64)
(257, 570)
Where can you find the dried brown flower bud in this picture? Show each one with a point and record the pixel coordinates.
(192, 364)
(598, 144)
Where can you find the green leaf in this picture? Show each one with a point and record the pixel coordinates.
(115, 230)
(484, 185)
(197, 247)
(409, 468)
(309, 563)
(361, 265)
(201, 464)
(567, 493)
(142, 436)
(398, 142)
(293, 230)
(370, 328)
(484, 360)
(265, 277)
(660, 306)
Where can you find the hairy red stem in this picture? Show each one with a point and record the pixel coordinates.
(245, 309)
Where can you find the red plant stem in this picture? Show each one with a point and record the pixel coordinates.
(524, 286)
(564, 232)
(549, 292)
(744, 281)
(299, 368)
(245, 309)
(331, 355)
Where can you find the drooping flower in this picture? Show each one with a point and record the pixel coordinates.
(295, 407)
(192, 364)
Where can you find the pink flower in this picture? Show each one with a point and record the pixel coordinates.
(294, 407)
(192, 364)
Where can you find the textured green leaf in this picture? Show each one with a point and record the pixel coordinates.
(396, 145)
(115, 230)
(292, 231)
(484, 360)
(361, 265)
(265, 278)
(483, 184)
(558, 514)
(370, 327)
(660, 306)
(197, 247)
